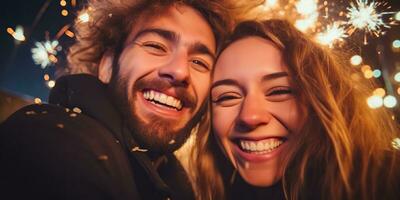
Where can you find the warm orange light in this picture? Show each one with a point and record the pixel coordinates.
(46, 77)
(63, 3)
(69, 33)
(64, 12)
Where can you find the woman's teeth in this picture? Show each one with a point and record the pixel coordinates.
(260, 146)
(163, 99)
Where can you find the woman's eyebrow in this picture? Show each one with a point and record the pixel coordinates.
(225, 82)
(276, 75)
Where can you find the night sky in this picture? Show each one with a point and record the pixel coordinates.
(19, 74)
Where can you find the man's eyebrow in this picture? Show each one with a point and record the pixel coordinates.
(166, 34)
(231, 82)
(274, 76)
(200, 48)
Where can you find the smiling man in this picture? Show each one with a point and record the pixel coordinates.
(110, 132)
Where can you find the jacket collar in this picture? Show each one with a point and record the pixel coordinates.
(90, 95)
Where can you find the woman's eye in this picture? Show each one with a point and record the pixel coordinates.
(227, 100)
(154, 47)
(279, 94)
(200, 65)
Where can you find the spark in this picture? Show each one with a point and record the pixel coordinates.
(307, 7)
(364, 16)
(307, 23)
(268, 4)
(84, 17)
(44, 53)
(18, 34)
(334, 33)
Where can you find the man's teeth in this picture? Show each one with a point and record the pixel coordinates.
(162, 98)
(261, 146)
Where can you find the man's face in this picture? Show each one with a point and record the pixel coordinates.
(163, 76)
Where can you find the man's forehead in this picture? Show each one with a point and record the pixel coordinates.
(170, 21)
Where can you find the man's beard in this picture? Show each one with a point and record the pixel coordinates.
(157, 135)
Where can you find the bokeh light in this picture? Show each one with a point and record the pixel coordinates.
(397, 77)
(396, 143)
(84, 17)
(368, 74)
(63, 3)
(51, 83)
(356, 60)
(379, 92)
(377, 73)
(37, 100)
(64, 12)
(397, 16)
(375, 102)
(396, 44)
(390, 101)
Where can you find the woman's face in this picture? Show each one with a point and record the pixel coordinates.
(255, 112)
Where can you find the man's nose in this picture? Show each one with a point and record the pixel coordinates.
(253, 113)
(176, 71)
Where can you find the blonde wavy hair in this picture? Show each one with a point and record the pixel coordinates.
(345, 148)
(112, 20)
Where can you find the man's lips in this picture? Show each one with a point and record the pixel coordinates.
(163, 99)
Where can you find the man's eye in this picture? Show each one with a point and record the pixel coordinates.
(154, 48)
(200, 65)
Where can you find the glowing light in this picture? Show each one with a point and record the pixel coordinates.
(364, 68)
(396, 44)
(84, 17)
(364, 16)
(18, 34)
(398, 90)
(63, 3)
(46, 77)
(377, 73)
(396, 143)
(380, 92)
(69, 33)
(306, 7)
(356, 60)
(397, 77)
(64, 12)
(268, 4)
(43, 53)
(307, 23)
(368, 74)
(51, 83)
(389, 101)
(333, 34)
(397, 16)
(375, 102)
(37, 101)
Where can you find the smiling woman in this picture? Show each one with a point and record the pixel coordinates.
(289, 123)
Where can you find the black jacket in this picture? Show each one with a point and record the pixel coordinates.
(77, 147)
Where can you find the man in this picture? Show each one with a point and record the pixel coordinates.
(112, 135)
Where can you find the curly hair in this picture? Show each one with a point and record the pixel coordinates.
(112, 20)
(344, 150)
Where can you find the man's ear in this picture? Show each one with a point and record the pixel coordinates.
(105, 66)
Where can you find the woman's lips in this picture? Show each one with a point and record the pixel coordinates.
(259, 150)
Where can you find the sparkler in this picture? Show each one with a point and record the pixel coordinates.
(44, 53)
(364, 16)
(333, 34)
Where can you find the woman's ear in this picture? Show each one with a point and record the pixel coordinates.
(105, 67)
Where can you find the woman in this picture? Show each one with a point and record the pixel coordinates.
(289, 123)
